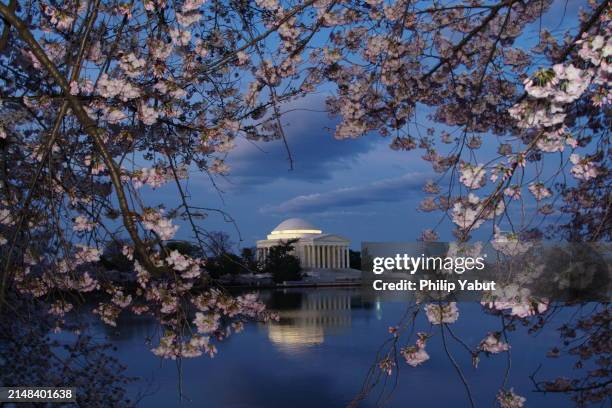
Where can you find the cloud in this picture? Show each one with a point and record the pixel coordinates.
(345, 213)
(385, 190)
(316, 153)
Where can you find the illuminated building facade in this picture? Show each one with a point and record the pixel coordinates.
(315, 249)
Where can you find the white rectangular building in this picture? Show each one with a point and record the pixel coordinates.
(314, 249)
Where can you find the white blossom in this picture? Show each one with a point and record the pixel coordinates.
(508, 399)
(472, 176)
(442, 313)
(493, 344)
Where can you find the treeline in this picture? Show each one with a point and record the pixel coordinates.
(222, 261)
(280, 263)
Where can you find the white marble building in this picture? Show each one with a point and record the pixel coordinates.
(315, 249)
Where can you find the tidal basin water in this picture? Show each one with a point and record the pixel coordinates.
(320, 351)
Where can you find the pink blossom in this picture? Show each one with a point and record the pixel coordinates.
(416, 355)
(86, 254)
(442, 313)
(58, 18)
(466, 217)
(110, 88)
(180, 37)
(508, 399)
(74, 88)
(509, 244)
(147, 115)
(81, 223)
(108, 313)
(132, 65)
(513, 191)
(386, 365)
(429, 235)
(86, 283)
(206, 322)
(472, 176)
(178, 261)
(155, 221)
(60, 308)
(218, 166)
(539, 191)
(121, 300)
(243, 57)
(115, 116)
(271, 5)
(142, 275)
(583, 168)
(128, 252)
(188, 19)
(493, 344)
(192, 5)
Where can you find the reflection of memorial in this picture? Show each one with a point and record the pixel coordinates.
(294, 337)
(306, 317)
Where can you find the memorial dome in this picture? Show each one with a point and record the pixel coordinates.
(293, 228)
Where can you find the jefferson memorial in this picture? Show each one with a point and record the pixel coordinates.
(314, 249)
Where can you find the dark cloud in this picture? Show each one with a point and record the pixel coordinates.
(386, 190)
(316, 153)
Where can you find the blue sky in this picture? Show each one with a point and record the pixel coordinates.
(359, 188)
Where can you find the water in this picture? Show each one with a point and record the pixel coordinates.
(320, 351)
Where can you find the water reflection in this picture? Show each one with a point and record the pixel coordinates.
(306, 317)
(318, 353)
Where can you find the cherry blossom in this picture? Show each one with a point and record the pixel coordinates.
(493, 344)
(206, 323)
(472, 177)
(514, 192)
(155, 221)
(442, 313)
(386, 365)
(81, 223)
(508, 399)
(583, 168)
(60, 308)
(509, 243)
(110, 88)
(518, 301)
(539, 191)
(416, 355)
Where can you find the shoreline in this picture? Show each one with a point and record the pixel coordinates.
(287, 285)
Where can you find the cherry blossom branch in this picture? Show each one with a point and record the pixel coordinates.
(465, 40)
(50, 141)
(457, 368)
(88, 126)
